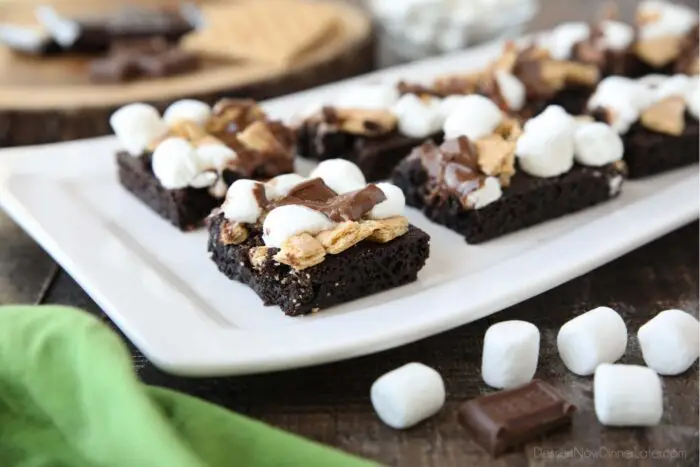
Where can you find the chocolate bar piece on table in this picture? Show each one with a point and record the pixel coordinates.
(503, 420)
(305, 247)
(182, 164)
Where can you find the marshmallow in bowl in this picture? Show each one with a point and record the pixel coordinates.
(489, 192)
(546, 147)
(137, 126)
(241, 203)
(511, 88)
(616, 35)
(474, 116)
(597, 144)
(174, 163)
(418, 118)
(280, 186)
(393, 205)
(669, 342)
(287, 221)
(189, 110)
(561, 41)
(367, 96)
(664, 19)
(340, 175)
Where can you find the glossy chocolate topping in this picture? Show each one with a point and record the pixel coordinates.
(453, 168)
(315, 194)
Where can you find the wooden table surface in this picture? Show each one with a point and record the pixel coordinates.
(330, 403)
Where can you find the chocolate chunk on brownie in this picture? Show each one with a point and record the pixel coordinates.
(648, 152)
(363, 269)
(526, 201)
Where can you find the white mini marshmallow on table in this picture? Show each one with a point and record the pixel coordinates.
(595, 337)
(340, 175)
(188, 110)
(510, 354)
(137, 126)
(407, 395)
(670, 342)
(627, 395)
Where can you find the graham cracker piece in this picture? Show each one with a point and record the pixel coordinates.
(270, 31)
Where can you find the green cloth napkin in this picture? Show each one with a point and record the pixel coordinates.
(69, 397)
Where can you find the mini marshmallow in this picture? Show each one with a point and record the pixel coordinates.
(137, 126)
(669, 342)
(627, 395)
(286, 221)
(676, 85)
(407, 395)
(595, 337)
(511, 351)
(281, 185)
(418, 118)
(489, 192)
(241, 204)
(474, 117)
(669, 19)
(564, 37)
(652, 80)
(449, 104)
(512, 89)
(367, 96)
(693, 101)
(174, 163)
(340, 175)
(393, 205)
(624, 97)
(546, 147)
(597, 144)
(214, 156)
(187, 109)
(616, 35)
(204, 179)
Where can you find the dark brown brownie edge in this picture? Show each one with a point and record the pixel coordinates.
(375, 156)
(526, 202)
(648, 152)
(362, 270)
(184, 208)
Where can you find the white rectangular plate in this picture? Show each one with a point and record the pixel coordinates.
(162, 290)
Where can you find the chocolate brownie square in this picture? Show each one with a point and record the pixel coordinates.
(376, 156)
(364, 269)
(184, 208)
(649, 152)
(525, 202)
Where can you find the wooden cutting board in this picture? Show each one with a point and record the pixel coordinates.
(49, 99)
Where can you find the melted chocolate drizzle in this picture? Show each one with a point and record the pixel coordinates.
(453, 168)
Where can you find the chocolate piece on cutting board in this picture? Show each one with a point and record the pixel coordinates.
(506, 419)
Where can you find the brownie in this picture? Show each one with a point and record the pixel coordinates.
(573, 99)
(527, 201)
(648, 152)
(361, 270)
(376, 156)
(185, 208)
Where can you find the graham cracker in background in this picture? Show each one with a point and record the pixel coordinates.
(270, 31)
